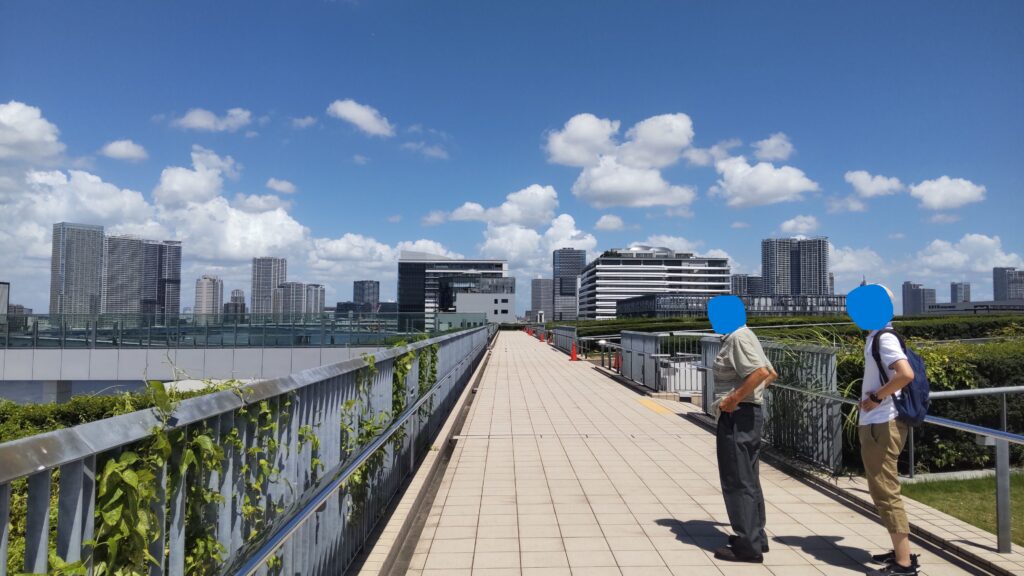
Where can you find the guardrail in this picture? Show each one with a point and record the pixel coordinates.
(564, 337)
(205, 330)
(218, 477)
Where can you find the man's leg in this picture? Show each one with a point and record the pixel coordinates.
(759, 428)
(728, 475)
(748, 524)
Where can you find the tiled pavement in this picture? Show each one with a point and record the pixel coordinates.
(560, 470)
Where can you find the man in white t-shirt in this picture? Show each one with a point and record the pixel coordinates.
(882, 435)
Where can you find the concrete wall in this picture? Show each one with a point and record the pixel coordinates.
(152, 364)
(485, 303)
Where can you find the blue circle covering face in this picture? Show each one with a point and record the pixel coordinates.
(869, 307)
(726, 314)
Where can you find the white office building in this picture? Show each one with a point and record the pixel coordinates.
(209, 299)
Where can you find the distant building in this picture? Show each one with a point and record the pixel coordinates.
(314, 304)
(388, 308)
(161, 280)
(209, 299)
(797, 266)
(672, 305)
(541, 300)
(366, 293)
(290, 301)
(76, 269)
(746, 285)
(959, 292)
(495, 298)
(976, 308)
(831, 283)
(234, 311)
(916, 298)
(1007, 284)
(627, 273)
(5, 301)
(419, 284)
(567, 266)
(268, 273)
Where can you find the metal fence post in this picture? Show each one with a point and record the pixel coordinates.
(1003, 513)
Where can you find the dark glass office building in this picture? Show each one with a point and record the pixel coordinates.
(420, 278)
(567, 265)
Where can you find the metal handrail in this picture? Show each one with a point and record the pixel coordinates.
(976, 392)
(340, 475)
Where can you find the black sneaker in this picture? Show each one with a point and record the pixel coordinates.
(895, 569)
(890, 557)
(727, 553)
(733, 538)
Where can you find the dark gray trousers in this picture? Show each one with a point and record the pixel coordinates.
(739, 451)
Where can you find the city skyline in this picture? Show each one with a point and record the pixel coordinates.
(906, 171)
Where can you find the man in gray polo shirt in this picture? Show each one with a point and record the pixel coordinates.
(741, 372)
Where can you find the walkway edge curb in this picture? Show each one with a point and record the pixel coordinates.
(393, 548)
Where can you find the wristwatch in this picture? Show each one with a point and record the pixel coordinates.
(874, 398)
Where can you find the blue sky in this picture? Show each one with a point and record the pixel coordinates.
(443, 103)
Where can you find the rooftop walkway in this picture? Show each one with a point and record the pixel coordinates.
(560, 470)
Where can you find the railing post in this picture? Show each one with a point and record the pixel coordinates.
(1003, 513)
(911, 454)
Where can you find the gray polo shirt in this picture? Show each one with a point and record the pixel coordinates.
(740, 355)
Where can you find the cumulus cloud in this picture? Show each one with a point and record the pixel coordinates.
(282, 186)
(851, 264)
(366, 118)
(800, 225)
(179, 186)
(527, 250)
(204, 120)
(657, 142)
(609, 222)
(582, 140)
(869, 186)
(677, 243)
(429, 150)
(738, 225)
(360, 159)
(395, 218)
(744, 185)
(435, 218)
(775, 147)
(846, 204)
(972, 253)
(611, 183)
(304, 122)
(531, 206)
(259, 202)
(708, 156)
(25, 135)
(943, 218)
(124, 150)
(947, 193)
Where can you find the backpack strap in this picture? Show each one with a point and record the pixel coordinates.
(876, 353)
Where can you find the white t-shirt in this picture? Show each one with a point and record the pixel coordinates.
(891, 353)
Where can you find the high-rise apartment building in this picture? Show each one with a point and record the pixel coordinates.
(746, 285)
(795, 266)
(141, 276)
(916, 298)
(1007, 284)
(314, 302)
(290, 301)
(620, 274)
(76, 269)
(366, 295)
(567, 265)
(267, 274)
(542, 299)
(419, 284)
(209, 299)
(959, 292)
(234, 311)
(161, 280)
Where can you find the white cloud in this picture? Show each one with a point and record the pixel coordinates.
(849, 203)
(869, 186)
(610, 183)
(677, 243)
(775, 147)
(364, 117)
(205, 121)
(395, 218)
(582, 140)
(429, 150)
(282, 186)
(527, 250)
(360, 159)
(259, 202)
(947, 193)
(800, 225)
(609, 222)
(304, 122)
(707, 156)
(744, 185)
(737, 225)
(657, 142)
(124, 150)
(435, 217)
(251, 134)
(531, 206)
(943, 218)
(973, 254)
(26, 135)
(203, 182)
(851, 264)
(897, 236)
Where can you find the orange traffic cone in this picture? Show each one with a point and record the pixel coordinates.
(541, 337)
(616, 361)
(572, 353)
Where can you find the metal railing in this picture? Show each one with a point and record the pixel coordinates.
(290, 413)
(664, 361)
(207, 331)
(564, 337)
(1000, 438)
